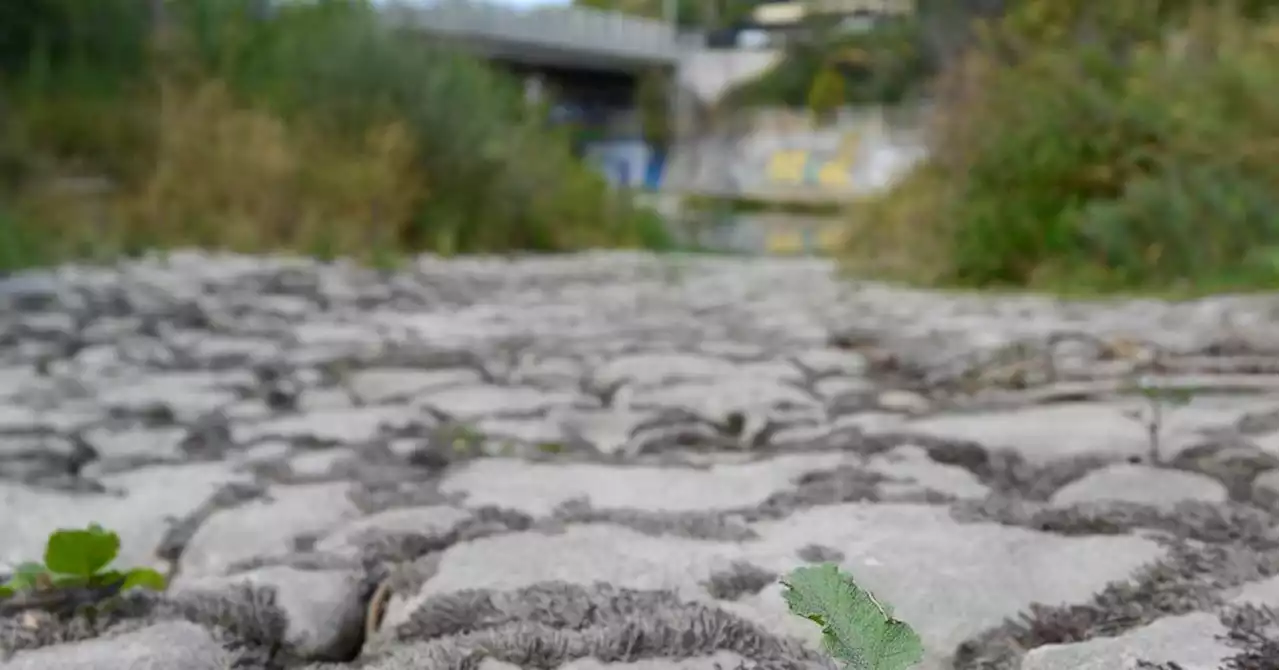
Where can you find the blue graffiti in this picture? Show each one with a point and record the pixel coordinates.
(628, 163)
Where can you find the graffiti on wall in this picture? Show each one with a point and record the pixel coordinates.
(821, 238)
(784, 156)
(627, 163)
(805, 167)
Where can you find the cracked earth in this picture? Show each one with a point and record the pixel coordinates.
(607, 461)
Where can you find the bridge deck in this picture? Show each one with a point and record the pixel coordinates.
(571, 37)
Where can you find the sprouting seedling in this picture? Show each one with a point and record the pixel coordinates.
(78, 558)
(1159, 399)
(856, 628)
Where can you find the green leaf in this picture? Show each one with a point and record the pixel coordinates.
(6, 591)
(81, 552)
(143, 578)
(107, 578)
(25, 577)
(856, 628)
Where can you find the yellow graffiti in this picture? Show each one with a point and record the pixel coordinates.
(834, 174)
(788, 166)
(824, 238)
(791, 166)
(784, 242)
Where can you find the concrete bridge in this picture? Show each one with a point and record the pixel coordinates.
(566, 38)
(590, 60)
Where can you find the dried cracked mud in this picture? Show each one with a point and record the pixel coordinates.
(607, 460)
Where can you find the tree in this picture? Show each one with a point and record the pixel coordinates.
(826, 93)
(703, 14)
(654, 107)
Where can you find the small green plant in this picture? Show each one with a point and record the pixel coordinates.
(1159, 401)
(856, 628)
(75, 558)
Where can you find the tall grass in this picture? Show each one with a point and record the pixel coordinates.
(1141, 156)
(306, 126)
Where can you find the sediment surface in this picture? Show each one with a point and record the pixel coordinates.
(608, 460)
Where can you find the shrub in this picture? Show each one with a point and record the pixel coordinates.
(237, 177)
(654, 106)
(826, 93)
(1117, 161)
(884, 65)
(306, 126)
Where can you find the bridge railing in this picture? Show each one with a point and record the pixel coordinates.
(572, 29)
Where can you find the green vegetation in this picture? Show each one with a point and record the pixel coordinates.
(1124, 146)
(253, 126)
(885, 65)
(688, 13)
(75, 558)
(857, 629)
(1160, 399)
(654, 106)
(826, 93)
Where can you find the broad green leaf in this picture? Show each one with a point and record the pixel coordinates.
(81, 552)
(6, 591)
(26, 576)
(143, 578)
(856, 628)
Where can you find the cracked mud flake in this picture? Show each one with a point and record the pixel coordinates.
(1190, 640)
(540, 488)
(1237, 638)
(163, 646)
(1046, 433)
(531, 349)
(950, 581)
(139, 506)
(1141, 484)
(263, 528)
(550, 623)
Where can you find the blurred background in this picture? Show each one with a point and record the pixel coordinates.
(1043, 143)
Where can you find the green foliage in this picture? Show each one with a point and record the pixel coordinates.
(856, 628)
(654, 106)
(1143, 157)
(256, 126)
(705, 14)
(81, 552)
(826, 93)
(78, 558)
(884, 65)
(66, 34)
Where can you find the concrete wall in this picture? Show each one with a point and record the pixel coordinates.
(781, 155)
(708, 73)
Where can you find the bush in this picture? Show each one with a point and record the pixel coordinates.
(884, 65)
(305, 126)
(826, 93)
(1114, 161)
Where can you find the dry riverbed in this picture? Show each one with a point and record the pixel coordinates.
(607, 460)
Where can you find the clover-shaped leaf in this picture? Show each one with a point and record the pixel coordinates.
(81, 552)
(143, 578)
